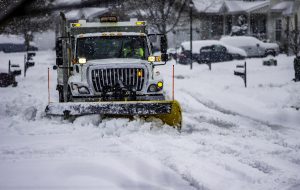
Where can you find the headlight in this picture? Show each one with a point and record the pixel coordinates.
(82, 60)
(156, 87)
(152, 88)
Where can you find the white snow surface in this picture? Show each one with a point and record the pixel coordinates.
(232, 137)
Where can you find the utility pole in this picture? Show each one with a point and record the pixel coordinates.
(296, 40)
(191, 5)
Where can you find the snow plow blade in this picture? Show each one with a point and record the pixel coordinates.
(168, 111)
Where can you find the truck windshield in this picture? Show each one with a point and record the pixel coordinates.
(105, 47)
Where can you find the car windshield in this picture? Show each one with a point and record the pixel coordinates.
(105, 47)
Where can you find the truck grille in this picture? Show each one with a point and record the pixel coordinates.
(108, 78)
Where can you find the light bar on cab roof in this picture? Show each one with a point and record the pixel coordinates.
(109, 19)
(139, 23)
(76, 25)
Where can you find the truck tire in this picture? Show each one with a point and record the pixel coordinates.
(61, 96)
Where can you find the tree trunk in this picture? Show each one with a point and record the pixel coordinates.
(28, 38)
(296, 40)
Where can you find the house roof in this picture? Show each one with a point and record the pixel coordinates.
(203, 5)
(66, 2)
(285, 7)
(231, 7)
(245, 6)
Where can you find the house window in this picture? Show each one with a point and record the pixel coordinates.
(216, 26)
(278, 29)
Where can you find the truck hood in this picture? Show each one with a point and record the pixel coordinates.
(116, 61)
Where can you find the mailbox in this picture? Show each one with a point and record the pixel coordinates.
(242, 74)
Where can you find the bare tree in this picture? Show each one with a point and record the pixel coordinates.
(295, 37)
(162, 15)
(27, 25)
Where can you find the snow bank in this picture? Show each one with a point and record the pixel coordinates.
(233, 137)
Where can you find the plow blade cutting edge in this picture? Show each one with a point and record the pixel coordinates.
(168, 111)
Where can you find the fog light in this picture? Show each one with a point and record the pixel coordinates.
(160, 84)
(83, 90)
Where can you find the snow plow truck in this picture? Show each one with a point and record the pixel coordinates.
(107, 68)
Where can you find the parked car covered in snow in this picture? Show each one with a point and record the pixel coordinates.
(14, 43)
(171, 53)
(210, 51)
(184, 57)
(252, 46)
(219, 53)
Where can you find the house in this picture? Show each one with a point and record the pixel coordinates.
(265, 19)
(282, 23)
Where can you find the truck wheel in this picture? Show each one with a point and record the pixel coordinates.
(61, 96)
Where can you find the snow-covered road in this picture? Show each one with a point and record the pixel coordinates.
(232, 137)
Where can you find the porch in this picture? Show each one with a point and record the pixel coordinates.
(250, 17)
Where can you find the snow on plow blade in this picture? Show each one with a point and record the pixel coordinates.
(168, 111)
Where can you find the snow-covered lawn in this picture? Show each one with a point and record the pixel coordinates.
(232, 137)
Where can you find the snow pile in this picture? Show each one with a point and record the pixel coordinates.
(233, 137)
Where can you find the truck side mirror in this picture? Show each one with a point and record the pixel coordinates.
(163, 44)
(59, 61)
(164, 57)
(58, 48)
